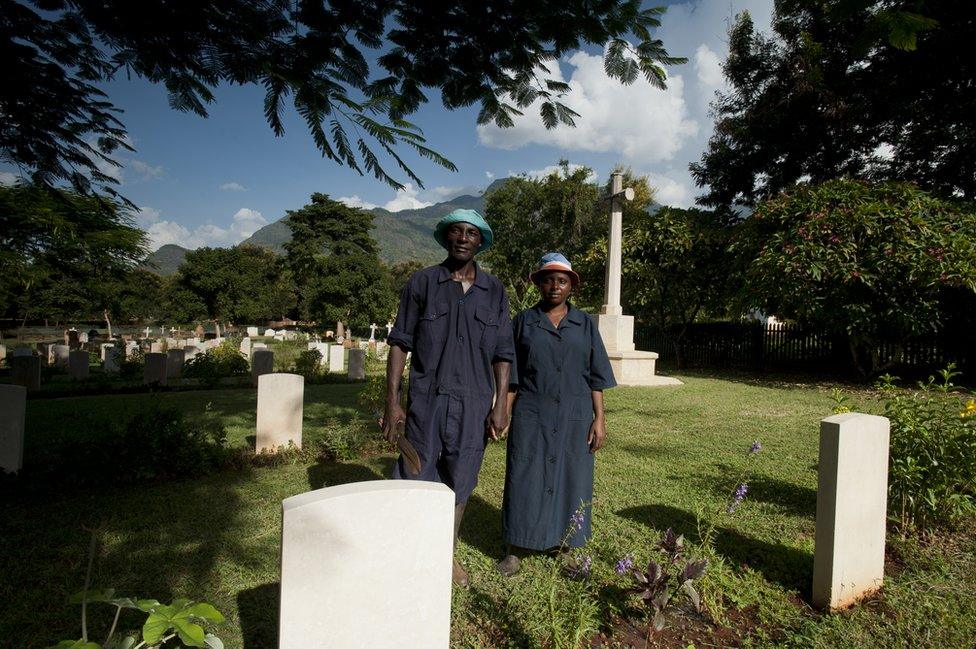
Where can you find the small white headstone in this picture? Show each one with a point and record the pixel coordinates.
(367, 564)
(337, 359)
(13, 407)
(246, 346)
(852, 496)
(104, 348)
(78, 364)
(262, 362)
(323, 348)
(174, 363)
(258, 346)
(157, 347)
(252, 332)
(357, 364)
(59, 354)
(269, 332)
(155, 369)
(190, 352)
(3, 352)
(83, 337)
(281, 402)
(131, 347)
(112, 360)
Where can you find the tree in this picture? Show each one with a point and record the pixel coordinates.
(335, 264)
(59, 126)
(61, 253)
(676, 268)
(240, 284)
(870, 263)
(530, 217)
(846, 88)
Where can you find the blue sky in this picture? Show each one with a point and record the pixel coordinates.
(215, 181)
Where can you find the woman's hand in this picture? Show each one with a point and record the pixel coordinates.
(598, 434)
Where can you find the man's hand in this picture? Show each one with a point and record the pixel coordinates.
(598, 434)
(392, 421)
(497, 423)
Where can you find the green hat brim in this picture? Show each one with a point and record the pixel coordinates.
(465, 216)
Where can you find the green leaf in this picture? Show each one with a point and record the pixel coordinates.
(147, 605)
(190, 634)
(155, 627)
(206, 612)
(213, 642)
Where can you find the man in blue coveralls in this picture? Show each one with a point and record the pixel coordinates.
(454, 319)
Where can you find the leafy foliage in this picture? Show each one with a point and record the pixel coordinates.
(333, 259)
(224, 360)
(932, 465)
(61, 127)
(867, 262)
(875, 90)
(309, 364)
(662, 582)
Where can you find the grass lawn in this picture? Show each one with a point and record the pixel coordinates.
(673, 458)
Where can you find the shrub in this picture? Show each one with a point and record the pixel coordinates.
(344, 442)
(222, 361)
(932, 464)
(309, 364)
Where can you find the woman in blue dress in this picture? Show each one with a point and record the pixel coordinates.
(556, 399)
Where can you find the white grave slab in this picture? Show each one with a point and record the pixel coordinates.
(3, 352)
(246, 346)
(852, 496)
(281, 402)
(59, 355)
(357, 364)
(323, 348)
(269, 332)
(262, 362)
(112, 361)
(157, 348)
(13, 407)
(252, 332)
(155, 369)
(103, 349)
(78, 361)
(337, 359)
(259, 346)
(190, 352)
(367, 564)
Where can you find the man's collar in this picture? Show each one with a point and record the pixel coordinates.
(480, 277)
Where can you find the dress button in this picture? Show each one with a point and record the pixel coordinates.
(461, 338)
(553, 431)
(549, 491)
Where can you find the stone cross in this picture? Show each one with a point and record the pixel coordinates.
(389, 328)
(372, 333)
(611, 301)
(146, 333)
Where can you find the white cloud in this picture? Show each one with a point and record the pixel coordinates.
(146, 171)
(356, 201)
(244, 223)
(636, 121)
(233, 187)
(708, 66)
(489, 175)
(670, 191)
(442, 193)
(8, 179)
(405, 199)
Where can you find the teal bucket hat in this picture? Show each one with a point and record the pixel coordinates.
(465, 216)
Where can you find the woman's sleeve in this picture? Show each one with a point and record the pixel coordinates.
(601, 374)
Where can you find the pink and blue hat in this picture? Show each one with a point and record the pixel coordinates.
(554, 261)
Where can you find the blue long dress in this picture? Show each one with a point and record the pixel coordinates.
(549, 469)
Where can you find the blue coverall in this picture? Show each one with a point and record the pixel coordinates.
(454, 337)
(549, 467)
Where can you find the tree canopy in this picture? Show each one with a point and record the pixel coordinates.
(857, 88)
(60, 126)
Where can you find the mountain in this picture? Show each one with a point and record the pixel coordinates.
(166, 260)
(402, 236)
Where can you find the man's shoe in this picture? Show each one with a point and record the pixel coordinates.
(459, 575)
(509, 565)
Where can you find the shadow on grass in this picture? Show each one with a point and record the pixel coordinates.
(258, 610)
(327, 473)
(481, 527)
(509, 629)
(789, 496)
(789, 567)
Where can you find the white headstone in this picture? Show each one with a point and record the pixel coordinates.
(157, 347)
(26, 371)
(269, 332)
(59, 354)
(281, 401)
(131, 347)
(112, 360)
(78, 361)
(258, 346)
(3, 352)
(155, 369)
(252, 332)
(174, 363)
(246, 346)
(852, 496)
(322, 348)
(83, 337)
(190, 352)
(104, 348)
(337, 359)
(13, 407)
(357, 364)
(372, 333)
(262, 362)
(367, 564)
(389, 328)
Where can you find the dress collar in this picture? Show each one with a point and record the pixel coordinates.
(536, 316)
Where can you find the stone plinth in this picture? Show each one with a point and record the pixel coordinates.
(59, 355)
(78, 361)
(174, 363)
(337, 359)
(281, 402)
(367, 564)
(357, 364)
(617, 332)
(262, 362)
(155, 369)
(13, 406)
(637, 368)
(852, 491)
(26, 371)
(323, 348)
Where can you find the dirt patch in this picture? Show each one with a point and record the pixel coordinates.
(684, 628)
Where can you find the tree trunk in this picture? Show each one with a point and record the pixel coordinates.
(108, 322)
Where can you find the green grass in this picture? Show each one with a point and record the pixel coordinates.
(673, 458)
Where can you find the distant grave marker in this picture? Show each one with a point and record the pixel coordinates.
(262, 362)
(155, 369)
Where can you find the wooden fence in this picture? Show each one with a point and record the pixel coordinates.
(758, 346)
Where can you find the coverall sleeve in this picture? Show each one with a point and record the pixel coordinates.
(504, 347)
(408, 314)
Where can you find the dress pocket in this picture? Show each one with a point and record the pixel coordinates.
(489, 322)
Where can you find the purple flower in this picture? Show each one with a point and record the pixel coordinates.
(584, 562)
(738, 497)
(755, 448)
(624, 565)
(576, 521)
